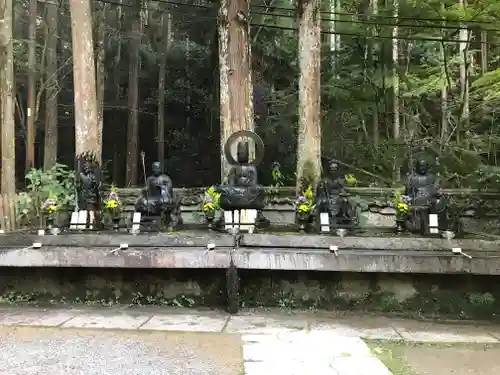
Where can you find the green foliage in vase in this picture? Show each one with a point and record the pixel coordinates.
(57, 183)
(277, 181)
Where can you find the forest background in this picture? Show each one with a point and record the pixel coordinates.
(399, 79)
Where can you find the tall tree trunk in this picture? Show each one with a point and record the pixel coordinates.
(225, 104)
(133, 98)
(395, 88)
(119, 25)
(484, 52)
(463, 36)
(373, 52)
(100, 68)
(444, 94)
(236, 88)
(30, 111)
(332, 36)
(7, 100)
(187, 109)
(50, 137)
(166, 25)
(84, 79)
(309, 137)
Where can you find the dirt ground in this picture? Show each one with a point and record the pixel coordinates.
(438, 359)
(470, 360)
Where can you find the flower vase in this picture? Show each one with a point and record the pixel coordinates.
(49, 221)
(302, 221)
(400, 225)
(209, 217)
(116, 222)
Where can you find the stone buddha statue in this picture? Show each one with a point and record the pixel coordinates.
(88, 188)
(157, 198)
(421, 186)
(425, 196)
(242, 191)
(332, 198)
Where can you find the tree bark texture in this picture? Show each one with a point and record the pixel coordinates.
(30, 111)
(84, 78)
(166, 25)
(463, 48)
(51, 137)
(133, 98)
(100, 68)
(7, 100)
(236, 89)
(444, 94)
(225, 105)
(396, 110)
(309, 137)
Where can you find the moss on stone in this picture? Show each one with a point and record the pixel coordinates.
(457, 296)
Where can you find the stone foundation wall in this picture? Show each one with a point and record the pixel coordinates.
(456, 296)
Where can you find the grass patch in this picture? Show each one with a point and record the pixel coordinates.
(391, 353)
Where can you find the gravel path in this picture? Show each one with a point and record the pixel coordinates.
(42, 351)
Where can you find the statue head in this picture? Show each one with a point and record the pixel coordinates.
(333, 166)
(156, 168)
(421, 167)
(243, 153)
(86, 168)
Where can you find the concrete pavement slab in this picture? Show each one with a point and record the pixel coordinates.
(185, 322)
(371, 327)
(304, 352)
(446, 337)
(385, 333)
(359, 366)
(42, 317)
(263, 324)
(107, 321)
(445, 333)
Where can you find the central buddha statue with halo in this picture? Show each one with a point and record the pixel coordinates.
(242, 191)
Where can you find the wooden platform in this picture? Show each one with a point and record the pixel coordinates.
(257, 251)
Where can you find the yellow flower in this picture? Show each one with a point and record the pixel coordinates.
(276, 174)
(304, 208)
(111, 204)
(209, 206)
(350, 179)
(402, 207)
(308, 193)
(51, 209)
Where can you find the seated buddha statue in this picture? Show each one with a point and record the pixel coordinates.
(242, 191)
(157, 198)
(332, 198)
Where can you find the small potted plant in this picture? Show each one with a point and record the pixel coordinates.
(401, 205)
(50, 208)
(112, 205)
(350, 179)
(210, 206)
(304, 206)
